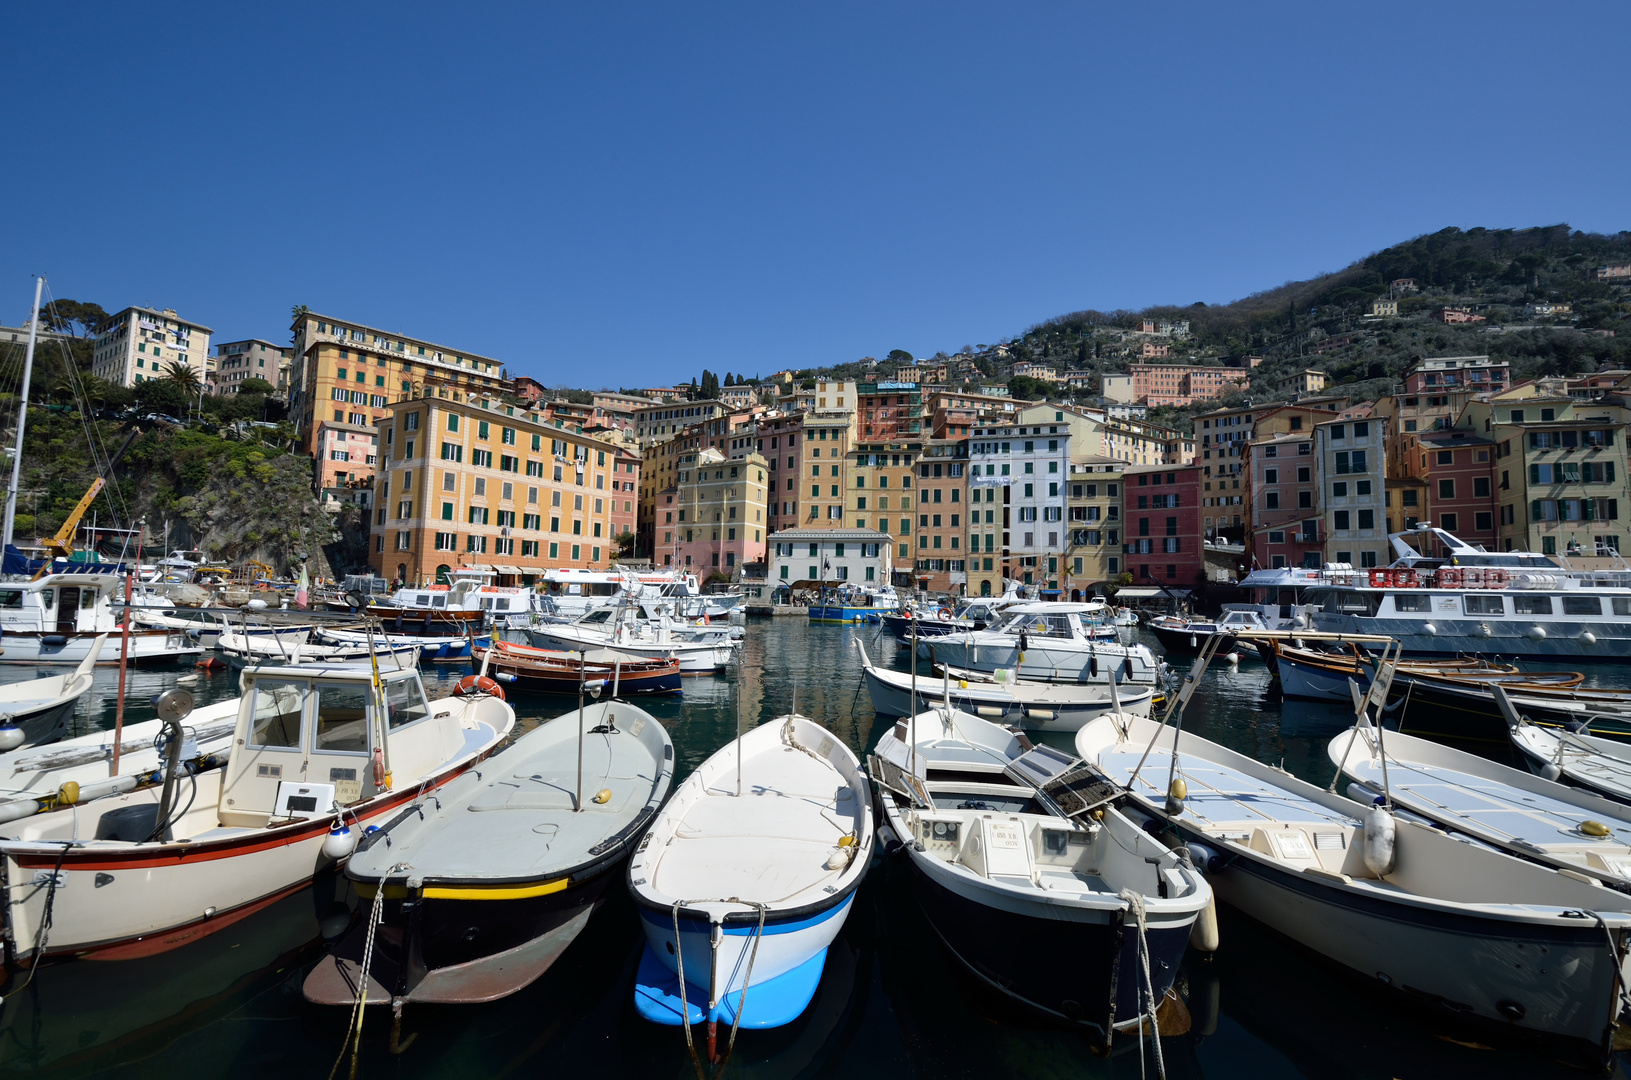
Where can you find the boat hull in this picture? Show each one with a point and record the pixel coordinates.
(1511, 636)
(992, 701)
(1466, 715)
(1190, 642)
(696, 658)
(841, 613)
(1044, 662)
(45, 725)
(147, 647)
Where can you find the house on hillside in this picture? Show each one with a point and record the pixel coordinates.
(1384, 309)
(1454, 315)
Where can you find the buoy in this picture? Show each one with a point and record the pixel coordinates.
(1551, 771)
(1590, 828)
(258, 605)
(1429, 628)
(1589, 638)
(1379, 841)
(1192, 641)
(68, 793)
(1176, 796)
(602, 797)
(1203, 935)
(340, 841)
(11, 736)
(1537, 632)
(1484, 630)
(1233, 658)
(479, 684)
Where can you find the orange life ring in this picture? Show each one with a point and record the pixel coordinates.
(1496, 579)
(1379, 579)
(479, 684)
(1449, 577)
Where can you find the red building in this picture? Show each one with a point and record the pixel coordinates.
(1459, 468)
(529, 390)
(1161, 509)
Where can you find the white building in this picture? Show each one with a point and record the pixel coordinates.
(1349, 459)
(860, 556)
(139, 344)
(1017, 481)
(1118, 388)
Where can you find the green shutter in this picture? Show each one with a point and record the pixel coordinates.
(1534, 474)
(1534, 509)
(1608, 471)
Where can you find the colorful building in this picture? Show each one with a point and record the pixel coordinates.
(1283, 524)
(719, 507)
(1161, 538)
(942, 488)
(1350, 468)
(139, 344)
(1093, 512)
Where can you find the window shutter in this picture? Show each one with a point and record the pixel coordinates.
(1534, 474)
(1608, 471)
(1534, 509)
(1613, 509)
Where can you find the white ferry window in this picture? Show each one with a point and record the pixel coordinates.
(1582, 605)
(1532, 605)
(1485, 605)
(278, 708)
(404, 703)
(1622, 605)
(342, 718)
(11, 598)
(1412, 602)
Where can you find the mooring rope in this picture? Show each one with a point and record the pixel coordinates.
(1135, 904)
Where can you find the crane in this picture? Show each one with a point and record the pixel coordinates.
(61, 546)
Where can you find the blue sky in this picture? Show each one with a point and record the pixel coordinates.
(625, 194)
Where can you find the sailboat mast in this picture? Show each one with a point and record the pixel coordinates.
(22, 419)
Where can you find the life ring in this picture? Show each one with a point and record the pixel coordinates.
(945, 613)
(1449, 577)
(479, 684)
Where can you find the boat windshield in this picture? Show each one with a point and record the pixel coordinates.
(1039, 625)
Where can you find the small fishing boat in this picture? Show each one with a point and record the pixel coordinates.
(700, 650)
(488, 885)
(1450, 927)
(1185, 634)
(1045, 892)
(1465, 711)
(554, 671)
(257, 648)
(1516, 811)
(432, 649)
(1038, 705)
(60, 618)
(750, 870)
(1601, 766)
(1052, 641)
(36, 711)
(314, 749)
(1321, 675)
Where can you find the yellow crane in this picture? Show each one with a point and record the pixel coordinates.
(61, 546)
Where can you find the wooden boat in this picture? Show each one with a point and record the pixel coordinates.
(553, 671)
(486, 888)
(1465, 711)
(1044, 902)
(36, 711)
(1039, 705)
(1451, 928)
(1317, 675)
(750, 871)
(313, 747)
(1516, 811)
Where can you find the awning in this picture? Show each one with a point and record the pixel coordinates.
(510, 570)
(1141, 593)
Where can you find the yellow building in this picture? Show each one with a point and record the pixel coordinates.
(879, 479)
(1093, 507)
(466, 484)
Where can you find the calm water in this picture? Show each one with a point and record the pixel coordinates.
(890, 1004)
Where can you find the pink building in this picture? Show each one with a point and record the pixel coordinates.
(346, 457)
(1283, 522)
(719, 510)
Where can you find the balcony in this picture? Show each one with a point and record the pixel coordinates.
(1316, 537)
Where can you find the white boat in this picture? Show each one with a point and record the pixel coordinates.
(1452, 927)
(36, 711)
(1518, 812)
(432, 648)
(576, 592)
(1601, 766)
(256, 648)
(1044, 892)
(1506, 603)
(60, 618)
(1051, 641)
(313, 748)
(1041, 706)
(700, 650)
(752, 867)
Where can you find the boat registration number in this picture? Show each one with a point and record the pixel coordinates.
(45, 879)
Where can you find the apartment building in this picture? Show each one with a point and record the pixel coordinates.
(888, 411)
(1226, 436)
(236, 361)
(350, 373)
(1437, 389)
(877, 480)
(1350, 468)
(1093, 512)
(466, 484)
(138, 344)
(347, 455)
(809, 558)
(942, 488)
(1021, 530)
(829, 438)
(1118, 388)
(665, 419)
(1183, 384)
(720, 513)
(1161, 538)
(1457, 472)
(1282, 523)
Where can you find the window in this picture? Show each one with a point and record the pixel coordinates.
(1449, 522)
(1367, 519)
(1582, 605)
(1339, 489)
(1342, 518)
(1484, 604)
(1484, 522)
(1480, 487)
(1412, 602)
(1531, 605)
(1446, 457)
(279, 708)
(1446, 490)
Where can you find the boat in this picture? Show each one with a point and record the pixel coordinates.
(1600, 766)
(36, 711)
(574, 592)
(1047, 640)
(699, 650)
(59, 618)
(259, 648)
(853, 603)
(1507, 603)
(477, 895)
(1040, 706)
(463, 605)
(314, 749)
(1449, 927)
(1511, 809)
(750, 870)
(1046, 894)
(1186, 634)
(554, 671)
(1322, 675)
(1465, 711)
(937, 620)
(432, 649)
(1125, 616)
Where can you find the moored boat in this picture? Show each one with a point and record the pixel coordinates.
(555, 671)
(1048, 640)
(36, 711)
(485, 888)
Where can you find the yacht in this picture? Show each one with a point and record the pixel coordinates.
(1052, 641)
(1514, 603)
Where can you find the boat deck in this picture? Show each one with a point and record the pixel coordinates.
(1220, 798)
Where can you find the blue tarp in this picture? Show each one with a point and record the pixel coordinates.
(16, 563)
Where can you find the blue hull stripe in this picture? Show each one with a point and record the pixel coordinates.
(770, 1004)
(750, 927)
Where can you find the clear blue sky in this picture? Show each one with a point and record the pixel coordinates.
(618, 194)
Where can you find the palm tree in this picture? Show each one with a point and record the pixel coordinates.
(183, 375)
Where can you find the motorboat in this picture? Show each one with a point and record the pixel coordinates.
(314, 750)
(699, 650)
(36, 711)
(258, 648)
(1042, 706)
(61, 618)
(557, 671)
(1045, 892)
(1508, 603)
(1049, 641)
(747, 875)
(574, 591)
(477, 895)
(1449, 926)
(1525, 815)
(1601, 766)
(1186, 634)
(468, 601)
(939, 619)
(853, 602)
(433, 649)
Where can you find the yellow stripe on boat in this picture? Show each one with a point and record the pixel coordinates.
(494, 892)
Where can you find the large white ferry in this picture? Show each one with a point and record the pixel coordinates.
(1511, 603)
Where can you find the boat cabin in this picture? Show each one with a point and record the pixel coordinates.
(59, 604)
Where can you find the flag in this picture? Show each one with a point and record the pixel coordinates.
(302, 590)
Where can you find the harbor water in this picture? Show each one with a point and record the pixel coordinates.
(891, 1004)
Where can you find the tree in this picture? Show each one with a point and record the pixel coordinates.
(625, 544)
(182, 375)
(898, 356)
(73, 317)
(162, 396)
(255, 386)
